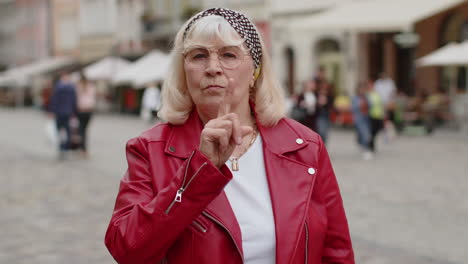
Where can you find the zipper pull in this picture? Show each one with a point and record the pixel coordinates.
(178, 197)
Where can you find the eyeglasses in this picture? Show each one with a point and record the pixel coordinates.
(229, 57)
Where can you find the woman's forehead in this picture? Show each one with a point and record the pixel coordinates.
(209, 36)
(206, 42)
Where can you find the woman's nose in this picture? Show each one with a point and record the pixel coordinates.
(214, 65)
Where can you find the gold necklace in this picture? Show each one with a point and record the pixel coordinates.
(235, 160)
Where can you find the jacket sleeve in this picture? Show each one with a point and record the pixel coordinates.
(146, 222)
(337, 246)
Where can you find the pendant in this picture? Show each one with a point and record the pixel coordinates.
(234, 164)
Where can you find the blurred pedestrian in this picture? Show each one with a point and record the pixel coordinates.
(387, 90)
(376, 114)
(86, 105)
(360, 109)
(46, 94)
(342, 109)
(324, 108)
(307, 100)
(320, 77)
(63, 106)
(228, 179)
(151, 102)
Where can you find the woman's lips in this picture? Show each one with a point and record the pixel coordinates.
(213, 88)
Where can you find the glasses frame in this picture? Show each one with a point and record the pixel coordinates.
(244, 53)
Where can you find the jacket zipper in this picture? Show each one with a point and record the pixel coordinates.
(199, 226)
(306, 242)
(180, 191)
(227, 230)
(178, 197)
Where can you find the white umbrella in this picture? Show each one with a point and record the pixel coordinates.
(153, 74)
(150, 67)
(461, 54)
(105, 69)
(40, 66)
(6, 80)
(441, 56)
(20, 75)
(451, 55)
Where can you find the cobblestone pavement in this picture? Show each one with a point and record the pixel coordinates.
(409, 205)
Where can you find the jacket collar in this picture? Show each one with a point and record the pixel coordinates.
(281, 138)
(185, 138)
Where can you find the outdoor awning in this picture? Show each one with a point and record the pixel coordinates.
(20, 75)
(150, 68)
(105, 69)
(374, 15)
(451, 54)
(6, 80)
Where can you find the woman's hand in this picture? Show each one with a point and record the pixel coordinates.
(221, 135)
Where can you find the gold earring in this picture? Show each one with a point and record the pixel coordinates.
(252, 82)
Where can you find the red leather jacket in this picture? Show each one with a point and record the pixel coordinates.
(171, 207)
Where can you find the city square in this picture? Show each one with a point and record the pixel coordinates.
(408, 205)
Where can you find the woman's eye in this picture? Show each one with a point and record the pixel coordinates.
(199, 56)
(229, 55)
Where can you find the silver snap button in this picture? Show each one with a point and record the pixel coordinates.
(299, 141)
(311, 171)
(172, 149)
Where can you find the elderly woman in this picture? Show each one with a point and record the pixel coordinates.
(228, 179)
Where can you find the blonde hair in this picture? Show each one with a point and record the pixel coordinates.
(177, 104)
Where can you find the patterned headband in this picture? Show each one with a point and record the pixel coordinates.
(241, 25)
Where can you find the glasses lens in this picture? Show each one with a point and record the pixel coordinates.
(197, 56)
(229, 57)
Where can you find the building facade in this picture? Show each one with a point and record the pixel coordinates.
(24, 31)
(350, 55)
(298, 51)
(7, 34)
(450, 25)
(110, 27)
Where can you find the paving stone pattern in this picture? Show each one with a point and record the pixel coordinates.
(409, 205)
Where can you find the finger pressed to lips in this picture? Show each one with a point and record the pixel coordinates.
(235, 123)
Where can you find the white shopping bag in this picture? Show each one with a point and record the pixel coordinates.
(51, 131)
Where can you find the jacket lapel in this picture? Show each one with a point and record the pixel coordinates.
(221, 210)
(184, 138)
(290, 185)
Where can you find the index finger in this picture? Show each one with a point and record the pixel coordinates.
(224, 107)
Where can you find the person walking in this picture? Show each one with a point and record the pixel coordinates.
(376, 114)
(360, 109)
(228, 178)
(307, 101)
(324, 107)
(150, 103)
(63, 106)
(386, 88)
(86, 105)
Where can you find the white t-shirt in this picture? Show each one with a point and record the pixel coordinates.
(311, 101)
(249, 196)
(386, 89)
(86, 97)
(151, 98)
